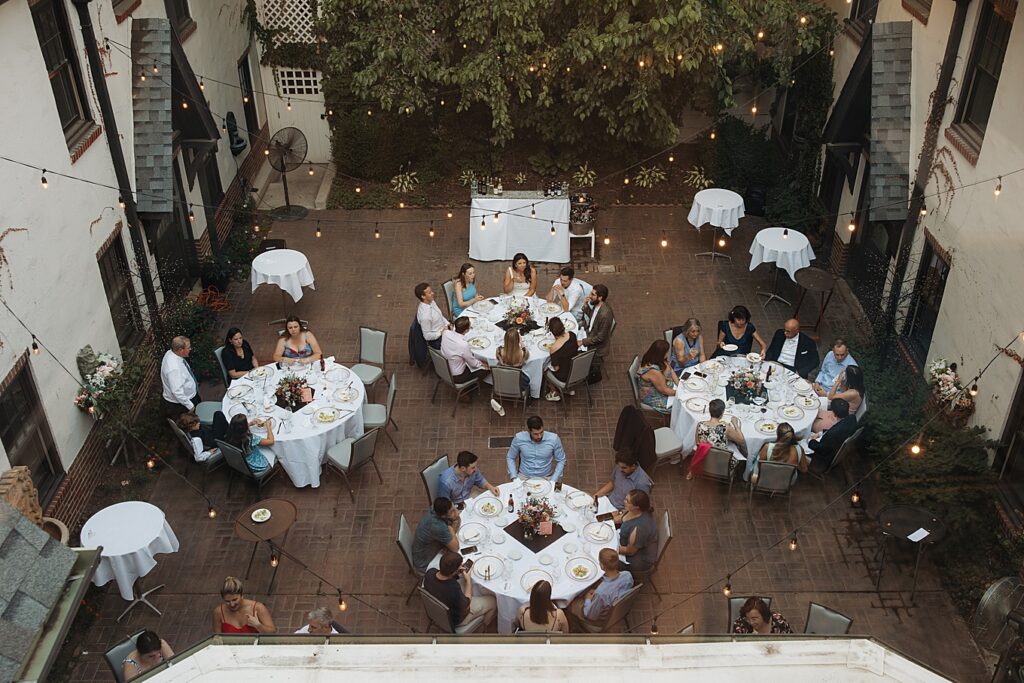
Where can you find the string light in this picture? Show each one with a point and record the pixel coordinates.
(727, 588)
(803, 21)
(553, 228)
(855, 498)
(641, 63)
(151, 463)
(35, 346)
(449, 214)
(785, 233)
(369, 112)
(256, 227)
(224, 126)
(376, 231)
(156, 69)
(92, 410)
(721, 241)
(679, 57)
(664, 239)
(358, 189)
(607, 239)
(831, 53)
(495, 219)
(266, 151)
(654, 628)
(973, 391)
(245, 99)
(999, 185)
(671, 158)
(191, 215)
(760, 35)
(430, 233)
(712, 135)
(916, 448)
(533, 210)
(753, 110)
(719, 47)
(311, 168)
(401, 205)
(142, 75)
(924, 210)
(120, 201)
(43, 181)
(202, 86)
(342, 605)
(483, 223)
(625, 181)
(318, 231)
(211, 512)
(274, 560)
(184, 104)
(792, 543)
(852, 226)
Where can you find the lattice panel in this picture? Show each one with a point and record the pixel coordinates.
(298, 81)
(294, 18)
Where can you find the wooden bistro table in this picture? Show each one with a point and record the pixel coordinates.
(282, 517)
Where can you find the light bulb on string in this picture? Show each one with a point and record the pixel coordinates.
(625, 181)
(852, 226)
(266, 151)
(256, 227)
(274, 560)
(664, 240)
(831, 53)
(803, 21)
(191, 215)
(224, 126)
(449, 214)
(35, 346)
(973, 391)
(999, 186)
(924, 210)
(855, 498)
(342, 605)
(311, 168)
(712, 135)
(641, 63)
(793, 543)
(654, 628)
(495, 219)
(289, 105)
(679, 57)
(211, 512)
(607, 239)
(760, 35)
(430, 233)
(151, 463)
(120, 201)
(358, 189)
(43, 181)
(552, 228)
(318, 231)
(202, 86)
(401, 205)
(184, 104)
(156, 69)
(785, 233)
(915, 448)
(533, 210)
(483, 223)
(727, 588)
(376, 231)
(245, 99)
(753, 110)
(721, 241)
(142, 75)
(719, 47)
(671, 158)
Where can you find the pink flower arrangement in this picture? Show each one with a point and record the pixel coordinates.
(533, 512)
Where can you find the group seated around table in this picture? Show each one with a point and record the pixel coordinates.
(452, 584)
(738, 331)
(656, 378)
(755, 617)
(793, 350)
(687, 346)
(238, 614)
(714, 433)
(150, 651)
(297, 346)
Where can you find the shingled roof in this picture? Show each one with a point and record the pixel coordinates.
(890, 120)
(151, 108)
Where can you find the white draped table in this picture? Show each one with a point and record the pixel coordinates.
(485, 336)
(721, 208)
(515, 565)
(131, 534)
(516, 230)
(787, 249)
(286, 268)
(300, 440)
(785, 389)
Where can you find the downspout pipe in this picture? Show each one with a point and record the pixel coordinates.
(120, 168)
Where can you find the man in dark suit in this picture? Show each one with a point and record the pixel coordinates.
(793, 349)
(825, 445)
(597, 321)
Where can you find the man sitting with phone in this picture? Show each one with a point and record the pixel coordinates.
(436, 531)
(588, 611)
(626, 476)
(452, 585)
(457, 482)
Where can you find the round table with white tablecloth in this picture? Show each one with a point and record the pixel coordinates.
(786, 391)
(721, 208)
(485, 336)
(514, 568)
(286, 268)
(131, 533)
(301, 439)
(787, 249)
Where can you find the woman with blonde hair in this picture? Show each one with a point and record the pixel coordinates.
(786, 449)
(237, 614)
(512, 354)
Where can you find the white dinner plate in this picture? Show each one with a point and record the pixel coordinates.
(570, 325)
(326, 415)
(790, 413)
(807, 401)
(754, 357)
(599, 532)
(730, 348)
(258, 373)
(532, 576)
(479, 342)
(767, 426)
(488, 506)
(338, 374)
(514, 554)
(569, 548)
(483, 306)
(545, 344)
(240, 391)
(346, 395)
(695, 384)
(499, 538)
(502, 522)
(581, 569)
(579, 499)
(308, 410)
(697, 405)
(472, 532)
(242, 409)
(801, 385)
(569, 528)
(550, 309)
(488, 567)
(260, 515)
(536, 486)
(546, 559)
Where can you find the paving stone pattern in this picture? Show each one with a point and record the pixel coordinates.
(362, 281)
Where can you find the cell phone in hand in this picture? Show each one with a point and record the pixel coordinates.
(605, 516)
(469, 550)
(467, 565)
(558, 487)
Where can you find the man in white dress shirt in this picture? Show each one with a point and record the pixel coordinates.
(567, 292)
(461, 361)
(429, 316)
(181, 390)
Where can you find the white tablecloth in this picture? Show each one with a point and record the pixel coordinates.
(286, 268)
(720, 208)
(302, 448)
(780, 392)
(789, 253)
(131, 533)
(507, 588)
(516, 231)
(483, 322)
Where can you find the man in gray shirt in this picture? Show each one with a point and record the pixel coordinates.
(589, 611)
(626, 476)
(435, 532)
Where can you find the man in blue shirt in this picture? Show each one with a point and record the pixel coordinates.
(835, 361)
(537, 450)
(626, 476)
(457, 482)
(588, 611)
(435, 532)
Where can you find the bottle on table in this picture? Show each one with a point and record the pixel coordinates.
(511, 503)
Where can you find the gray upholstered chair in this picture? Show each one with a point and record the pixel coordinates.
(349, 455)
(215, 460)
(720, 464)
(431, 476)
(377, 416)
(736, 604)
(667, 445)
(444, 374)
(618, 613)
(579, 370)
(774, 479)
(404, 541)
(634, 384)
(826, 621)
(849, 446)
(116, 654)
(449, 299)
(507, 385)
(237, 462)
(372, 346)
(218, 353)
(441, 616)
(664, 538)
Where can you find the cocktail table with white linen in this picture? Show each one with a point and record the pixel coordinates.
(507, 569)
(721, 208)
(301, 439)
(286, 268)
(790, 399)
(485, 336)
(787, 249)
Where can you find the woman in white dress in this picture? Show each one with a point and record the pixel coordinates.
(521, 278)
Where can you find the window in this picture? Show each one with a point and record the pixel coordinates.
(982, 74)
(124, 306)
(58, 48)
(925, 303)
(177, 12)
(298, 82)
(26, 435)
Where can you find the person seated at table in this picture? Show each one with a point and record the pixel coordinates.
(714, 433)
(638, 535)
(627, 475)
(537, 451)
(598, 319)
(567, 292)
(150, 651)
(849, 386)
(541, 614)
(688, 346)
(739, 331)
(461, 361)
(786, 449)
(656, 377)
(297, 346)
(511, 354)
(521, 277)
(453, 586)
(240, 436)
(592, 607)
(436, 531)
(319, 622)
(465, 290)
(824, 445)
(835, 360)
(429, 316)
(237, 356)
(793, 349)
(237, 614)
(563, 350)
(755, 617)
(456, 483)
(203, 439)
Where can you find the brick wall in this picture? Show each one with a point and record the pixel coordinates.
(838, 257)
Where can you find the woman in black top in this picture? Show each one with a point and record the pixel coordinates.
(237, 355)
(562, 351)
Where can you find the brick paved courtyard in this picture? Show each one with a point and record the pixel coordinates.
(362, 281)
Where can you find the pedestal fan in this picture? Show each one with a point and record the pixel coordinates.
(286, 152)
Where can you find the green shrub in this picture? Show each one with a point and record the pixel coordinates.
(187, 318)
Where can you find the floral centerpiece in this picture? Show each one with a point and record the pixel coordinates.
(289, 391)
(744, 385)
(96, 383)
(533, 512)
(948, 394)
(518, 314)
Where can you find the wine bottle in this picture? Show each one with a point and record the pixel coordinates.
(511, 504)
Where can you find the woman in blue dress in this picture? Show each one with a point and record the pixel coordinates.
(688, 347)
(738, 330)
(465, 289)
(297, 346)
(656, 377)
(250, 444)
